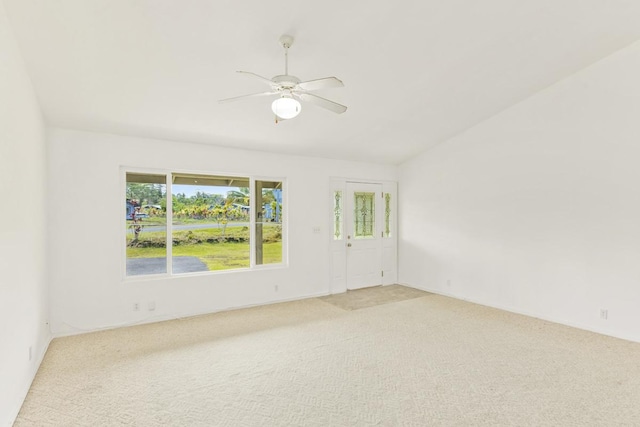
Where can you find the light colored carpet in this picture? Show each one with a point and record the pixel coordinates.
(368, 297)
(429, 361)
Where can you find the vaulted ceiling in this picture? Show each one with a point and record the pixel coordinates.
(415, 72)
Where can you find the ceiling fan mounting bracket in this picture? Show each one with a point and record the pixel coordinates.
(286, 41)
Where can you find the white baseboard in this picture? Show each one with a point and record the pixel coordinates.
(627, 337)
(163, 318)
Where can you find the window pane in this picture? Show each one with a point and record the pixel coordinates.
(337, 215)
(268, 222)
(364, 215)
(146, 224)
(210, 223)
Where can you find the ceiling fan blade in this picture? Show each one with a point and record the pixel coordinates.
(322, 102)
(249, 73)
(252, 95)
(325, 83)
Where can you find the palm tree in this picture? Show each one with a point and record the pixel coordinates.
(241, 195)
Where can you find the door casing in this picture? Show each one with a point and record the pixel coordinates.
(337, 227)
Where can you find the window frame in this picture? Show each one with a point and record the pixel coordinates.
(124, 170)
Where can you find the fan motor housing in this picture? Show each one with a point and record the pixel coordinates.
(285, 81)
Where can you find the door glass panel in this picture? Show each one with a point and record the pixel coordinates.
(364, 215)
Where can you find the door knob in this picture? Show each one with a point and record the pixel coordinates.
(348, 245)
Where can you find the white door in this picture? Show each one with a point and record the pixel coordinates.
(364, 235)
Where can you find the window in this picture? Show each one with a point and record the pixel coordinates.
(146, 224)
(211, 226)
(210, 223)
(268, 222)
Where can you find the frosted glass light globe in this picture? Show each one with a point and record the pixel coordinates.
(286, 107)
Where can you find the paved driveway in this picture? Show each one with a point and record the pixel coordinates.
(181, 264)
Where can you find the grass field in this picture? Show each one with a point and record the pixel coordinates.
(216, 255)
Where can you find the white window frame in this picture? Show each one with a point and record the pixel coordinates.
(169, 227)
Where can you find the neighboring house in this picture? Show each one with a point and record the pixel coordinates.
(133, 212)
(130, 210)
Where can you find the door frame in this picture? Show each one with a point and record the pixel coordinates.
(338, 252)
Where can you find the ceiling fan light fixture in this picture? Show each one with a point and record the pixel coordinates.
(291, 90)
(286, 107)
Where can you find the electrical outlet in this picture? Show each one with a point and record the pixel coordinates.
(152, 305)
(604, 313)
(448, 283)
(276, 288)
(30, 352)
(136, 306)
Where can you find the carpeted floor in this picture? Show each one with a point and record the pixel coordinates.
(424, 361)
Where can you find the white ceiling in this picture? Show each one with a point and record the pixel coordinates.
(415, 72)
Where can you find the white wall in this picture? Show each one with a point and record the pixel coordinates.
(23, 294)
(537, 210)
(85, 218)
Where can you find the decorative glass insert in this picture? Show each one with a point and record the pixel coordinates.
(337, 215)
(364, 215)
(387, 215)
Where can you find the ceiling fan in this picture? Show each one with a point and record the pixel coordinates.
(291, 90)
